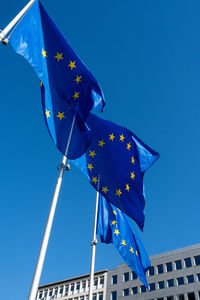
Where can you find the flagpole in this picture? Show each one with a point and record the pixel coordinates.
(94, 243)
(42, 253)
(8, 28)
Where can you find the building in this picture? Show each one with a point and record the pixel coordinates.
(174, 275)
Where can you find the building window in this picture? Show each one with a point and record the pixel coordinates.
(160, 269)
(50, 292)
(161, 285)
(197, 260)
(82, 298)
(169, 266)
(152, 286)
(170, 282)
(126, 276)
(86, 297)
(143, 289)
(100, 296)
(95, 283)
(134, 290)
(94, 297)
(66, 290)
(198, 277)
(188, 262)
(126, 292)
(83, 286)
(45, 294)
(151, 271)
(181, 297)
(170, 298)
(190, 278)
(56, 292)
(76, 298)
(180, 280)
(101, 282)
(191, 296)
(114, 295)
(40, 295)
(114, 279)
(178, 264)
(160, 298)
(134, 276)
(72, 288)
(77, 286)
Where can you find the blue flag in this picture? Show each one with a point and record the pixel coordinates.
(113, 227)
(67, 85)
(120, 159)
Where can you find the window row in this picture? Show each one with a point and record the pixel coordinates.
(163, 284)
(173, 266)
(159, 269)
(95, 296)
(190, 296)
(70, 289)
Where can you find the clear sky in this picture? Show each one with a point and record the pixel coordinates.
(146, 57)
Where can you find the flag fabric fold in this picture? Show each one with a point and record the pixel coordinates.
(120, 159)
(113, 227)
(68, 87)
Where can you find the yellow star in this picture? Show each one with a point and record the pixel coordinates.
(131, 250)
(92, 153)
(116, 231)
(94, 179)
(76, 95)
(123, 243)
(136, 253)
(41, 83)
(90, 167)
(78, 79)
(47, 112)
(132, 160)
(101, 143)
(59, 56)
(118, 192)
(114, 212)
(44, 53)
(72, 65)
(127, 187)
(60, 115)
(121, 137)
(132, 175)
(114, 222)
(111, 137)
(129, 146)
(105, 189)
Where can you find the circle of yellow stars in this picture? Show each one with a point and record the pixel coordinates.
(92, 154)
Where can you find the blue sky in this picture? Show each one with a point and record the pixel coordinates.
(146, 57)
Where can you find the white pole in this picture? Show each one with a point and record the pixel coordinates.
(41, 257)
(94, 243)
(4, 32)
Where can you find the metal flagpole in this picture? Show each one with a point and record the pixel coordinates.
(41, 257)
(8, 28)
(93, 244)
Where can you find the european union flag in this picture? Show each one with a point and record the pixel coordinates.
(120, 159)
(68, 87)
(113, 227)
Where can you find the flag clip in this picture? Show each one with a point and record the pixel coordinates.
(64, 167)
(93, 243)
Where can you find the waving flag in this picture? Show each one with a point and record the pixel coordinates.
(113, 227)
(68, 87)
(120, 159)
